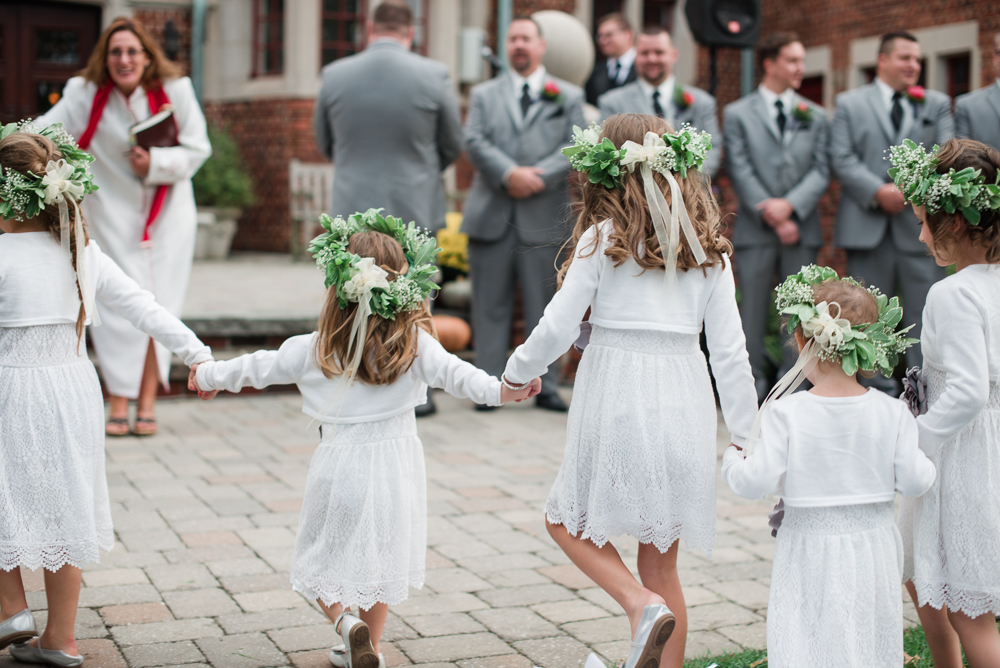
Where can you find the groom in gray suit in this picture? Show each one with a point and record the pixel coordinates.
(388, 119)
(876, 227)
(776, 144)
(517, 212)
(656, 92)
(977, 114)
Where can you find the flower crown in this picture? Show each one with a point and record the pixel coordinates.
(603, 163)
(26, 195)
(865, 347)
(358, 278)
(914, 173)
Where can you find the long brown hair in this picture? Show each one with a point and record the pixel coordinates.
(958, 154)
(391, 345)
(26, 152)
(160, 67)
(634, 236)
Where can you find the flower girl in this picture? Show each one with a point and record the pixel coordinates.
(836, 455)
(951, 534)
(54, 508)
(641, 443)
(362, 536)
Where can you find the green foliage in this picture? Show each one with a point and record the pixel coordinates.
(753, 658)
(223, 180)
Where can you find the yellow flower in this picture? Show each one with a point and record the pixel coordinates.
(454, 245)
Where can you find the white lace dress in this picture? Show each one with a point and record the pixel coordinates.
(835, 597)
(640, 444)
(54, 507)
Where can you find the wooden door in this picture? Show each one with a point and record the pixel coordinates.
(42, 44)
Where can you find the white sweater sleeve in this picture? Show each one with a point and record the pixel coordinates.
(559, 327)
(120, 293)
(727, 354)
(915, 473)
(438, 368)
(960, 324)
(171, 164)
(764, 471)
(284, 366)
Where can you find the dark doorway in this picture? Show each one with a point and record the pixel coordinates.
(42, 45)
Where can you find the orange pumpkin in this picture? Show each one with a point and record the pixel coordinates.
(454, 333)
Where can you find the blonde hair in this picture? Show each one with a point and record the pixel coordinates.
(26, 152)
(391, 345)
(634, 236)
(857, 306)
(160, 67)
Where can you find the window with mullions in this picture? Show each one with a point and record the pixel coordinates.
(343, 29)
(269, 41)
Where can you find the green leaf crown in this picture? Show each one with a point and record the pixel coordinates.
(601, 161)
(23, 195)
(405, 293)
(965, 191)
(867, 346)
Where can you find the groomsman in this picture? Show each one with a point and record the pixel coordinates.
(776, 144)
(617, 68)
(657, 92)
(876, 227)
(517, 211)
(977, 114)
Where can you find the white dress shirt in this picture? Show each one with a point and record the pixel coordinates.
(904, 101)
(666, 89)
(771, 98)
(535, 81)
(625, 60)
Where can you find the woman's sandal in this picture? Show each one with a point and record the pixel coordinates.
(116, 426)
(145, 426)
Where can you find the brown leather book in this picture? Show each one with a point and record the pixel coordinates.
(157, 130)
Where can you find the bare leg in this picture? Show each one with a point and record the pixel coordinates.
(658, 572)
(150, 385)
(12, 600)
(941, 636)
(605, 567)
(119, 406)
(332, 611)
(62, 589)
(980, 638)
(375, 618)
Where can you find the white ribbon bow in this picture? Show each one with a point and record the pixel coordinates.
(60, 188)
(827, 331)
(668, 236)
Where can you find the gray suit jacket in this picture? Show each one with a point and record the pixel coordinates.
(497, 138)
(389, 121)
(762, 166)
(977, 115)
(630, 99)
(859, 137)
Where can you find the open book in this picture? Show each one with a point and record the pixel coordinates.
(160, 129)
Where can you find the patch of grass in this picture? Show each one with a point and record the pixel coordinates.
(915, 646)
(754, 658)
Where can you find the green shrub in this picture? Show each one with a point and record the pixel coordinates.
(223, 181)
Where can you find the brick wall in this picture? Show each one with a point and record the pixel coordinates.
(155, 20)
(270, 133)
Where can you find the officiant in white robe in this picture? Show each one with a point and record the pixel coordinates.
(117, 212)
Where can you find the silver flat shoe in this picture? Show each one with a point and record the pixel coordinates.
(25, 653)
(357, 642)
(653, 632)
(338, 657)
(18, 629)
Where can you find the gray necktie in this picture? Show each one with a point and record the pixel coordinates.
(657, 107)
(525, 100)
(897, 111)
(618, 69)
(782, 119)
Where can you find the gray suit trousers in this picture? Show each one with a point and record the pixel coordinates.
(895, 273)
(757, 267)
(495, 268)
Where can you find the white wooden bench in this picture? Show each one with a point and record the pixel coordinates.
(310, 187)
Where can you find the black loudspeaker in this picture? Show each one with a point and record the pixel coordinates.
(724, 22)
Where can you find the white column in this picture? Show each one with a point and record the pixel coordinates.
(442, 26)
(686, 69)
(302, 47)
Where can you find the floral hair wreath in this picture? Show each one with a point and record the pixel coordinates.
(26, 195)
(914, 172)
(357, 278)
(865, 347)
(603, 163)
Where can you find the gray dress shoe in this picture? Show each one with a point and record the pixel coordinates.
(19, 628)
(655, 627)
(338, 657)
(25, 653)
(357, 642)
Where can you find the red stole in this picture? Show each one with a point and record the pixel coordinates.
(156, 97)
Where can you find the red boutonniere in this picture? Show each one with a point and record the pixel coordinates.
(551, 91)
(916, 94)
(802, 112)
(682, 98)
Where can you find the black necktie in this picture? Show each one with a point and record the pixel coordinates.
(781, 117)
(897, 111)
(618, 69)
(657, 107)
(525, 100)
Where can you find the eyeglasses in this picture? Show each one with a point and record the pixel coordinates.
(118, 54)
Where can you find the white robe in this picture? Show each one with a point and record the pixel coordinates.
(117, 212)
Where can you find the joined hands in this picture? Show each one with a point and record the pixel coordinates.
(193, 384)
(507, 395)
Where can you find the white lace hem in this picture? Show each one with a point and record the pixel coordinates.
(969, 602)
(695, 537)
(54, 557)
(362, 594)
